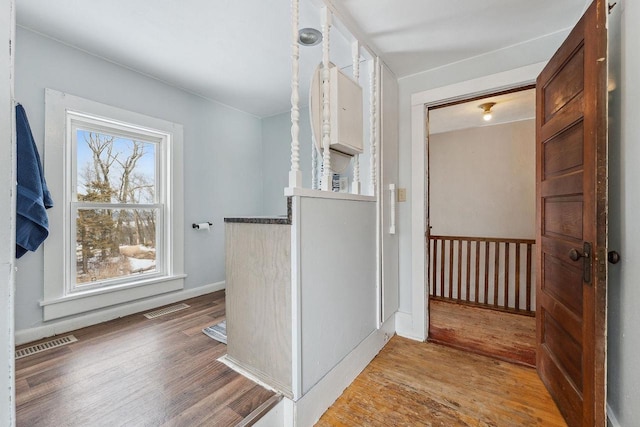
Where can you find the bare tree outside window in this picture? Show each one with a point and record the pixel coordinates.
(113, 242)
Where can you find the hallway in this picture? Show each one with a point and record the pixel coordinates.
(411, 383)
(506, 336)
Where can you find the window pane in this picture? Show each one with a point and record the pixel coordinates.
(114, 169)
(114, 243)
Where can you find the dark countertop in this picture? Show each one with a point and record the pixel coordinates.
(264, 219)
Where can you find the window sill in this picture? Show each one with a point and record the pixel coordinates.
(82, 302)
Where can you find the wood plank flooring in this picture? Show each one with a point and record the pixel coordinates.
(138, 372)
(425, 384)
(506, 336)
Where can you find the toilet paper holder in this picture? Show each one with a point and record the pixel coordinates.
(197, 226)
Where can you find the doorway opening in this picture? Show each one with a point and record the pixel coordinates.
(481, 224)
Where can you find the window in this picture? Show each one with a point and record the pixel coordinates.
(117, 235)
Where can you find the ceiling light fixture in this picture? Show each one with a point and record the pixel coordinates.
(309, 37)
(486, 107)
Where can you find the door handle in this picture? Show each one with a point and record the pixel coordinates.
(613, 257)
(392, 209)
(575, 255)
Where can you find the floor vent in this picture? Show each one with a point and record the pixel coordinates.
(166, 310)
(44, 346)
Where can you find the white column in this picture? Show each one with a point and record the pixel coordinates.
(373, 119)
(355, 52)
(327, 174)
(314, 165)
(295, 176)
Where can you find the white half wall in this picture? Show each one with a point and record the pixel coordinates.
(7, 217)
(623, 382)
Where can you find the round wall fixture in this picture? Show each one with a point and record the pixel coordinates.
(309, 37)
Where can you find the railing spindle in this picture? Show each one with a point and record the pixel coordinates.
(529, 277)
(491, 254)
(435, 267)
(327, 174)
(468, 269)
(486, 271)
(517, 301)
(496, 275)
(442, 242)
(506, 275)
(459, 269)
(477, 271)
(451, 268)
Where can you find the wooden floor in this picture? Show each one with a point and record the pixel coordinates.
(506, 336)
(425, 384)
(138, 372)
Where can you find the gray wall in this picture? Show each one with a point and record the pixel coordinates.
(223, 151)
(624, 208)
(276, 162)
(506, 59)
(483, 181)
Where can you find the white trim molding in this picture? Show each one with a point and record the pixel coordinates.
(66, 325)
(319, 194)
(418, 327)
(60, 298)
(7, 216)
(611, 418)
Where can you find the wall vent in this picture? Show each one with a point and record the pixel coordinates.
(44, 346)
(166, 310)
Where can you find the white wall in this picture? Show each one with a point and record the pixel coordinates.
(7, 219)
(506, 59)
(222, 153)
(482, 181)
(624, 209)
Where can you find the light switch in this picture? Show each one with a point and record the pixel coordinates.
(402, 194)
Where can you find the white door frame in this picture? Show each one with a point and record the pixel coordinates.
(420, 101)
(7, 217)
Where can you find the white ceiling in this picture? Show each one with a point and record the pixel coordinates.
(238, 52)
(510, 107)
(418, 35)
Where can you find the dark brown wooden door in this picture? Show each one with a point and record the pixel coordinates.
(572, 221)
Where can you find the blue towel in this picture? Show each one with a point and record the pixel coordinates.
(32, 197)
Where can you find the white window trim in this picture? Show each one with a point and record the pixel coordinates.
(77, 120)
(58, 302)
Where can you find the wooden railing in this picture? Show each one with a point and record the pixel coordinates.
(492, 272)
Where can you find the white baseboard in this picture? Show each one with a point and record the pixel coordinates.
(611, 418)
(310, 407)
(404, 327)
(61, 326)
(274, 418)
